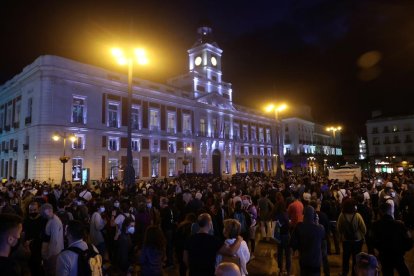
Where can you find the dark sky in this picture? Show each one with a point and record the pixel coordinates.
(299, 51)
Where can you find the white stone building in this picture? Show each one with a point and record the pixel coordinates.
(195, 110)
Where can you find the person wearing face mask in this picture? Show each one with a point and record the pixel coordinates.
(33, 226)
(10, 230)
(125, 251)
(388, 198)
(52, 242)
(97, 224)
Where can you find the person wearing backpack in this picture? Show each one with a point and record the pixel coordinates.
(80, 258)
(244, 219)
(352, 230)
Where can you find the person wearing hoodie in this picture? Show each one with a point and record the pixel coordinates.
(307, 238)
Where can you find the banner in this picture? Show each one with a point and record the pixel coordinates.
(345, 174)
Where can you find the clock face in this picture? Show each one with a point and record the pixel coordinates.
(213, 61)
(197, 61)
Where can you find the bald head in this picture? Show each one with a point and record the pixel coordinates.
(227, 269)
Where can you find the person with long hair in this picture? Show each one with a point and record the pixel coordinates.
(152, 252)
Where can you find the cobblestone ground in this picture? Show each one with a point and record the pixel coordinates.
(265, 262)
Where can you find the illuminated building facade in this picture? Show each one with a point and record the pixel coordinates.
(390, 143)
(188, 124)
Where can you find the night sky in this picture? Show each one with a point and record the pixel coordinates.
(342, 58)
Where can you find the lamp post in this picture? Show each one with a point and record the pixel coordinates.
(185, 161)
(276, 109)
(128, 59)
(63, 159)
(334, 129)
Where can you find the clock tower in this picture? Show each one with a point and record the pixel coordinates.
(205, 65)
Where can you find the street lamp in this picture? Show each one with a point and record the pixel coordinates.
(334, 130)
(63, 159)
(276, 109)
(128, 58)
(185, 161)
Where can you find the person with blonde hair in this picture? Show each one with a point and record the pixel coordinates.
(231, 231)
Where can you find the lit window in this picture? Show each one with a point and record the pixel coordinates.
(172, 147)
(79, 142)
(78, 110)
(135, 145)
(136, 123)
(77, 164)
(186, 123)
(171, 122)
(154, 119)
(113, 115)
(113, 144)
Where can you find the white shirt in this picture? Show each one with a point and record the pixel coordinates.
(54, 229)
(86, 195)
(242, 253)
(119, 220)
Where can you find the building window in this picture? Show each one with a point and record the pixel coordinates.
(154, 120)
(78, 110)
(77, 165)
(79, 142)
(9, 115)
(17, 112)
(1, 118)
(268, 138)
(113, 115)
(255, 165)
(113, 144)
(237, 149)
(136, 123)
(236, 131)
(262, 165)
(171, 122)
(261, 135)
(113, 168)
(262, 152)
(171, 167)
(136, 145)
(135, 164)
(269, 151)
(246, 150)
(245, 133)
(227, 130)
(375, 130)
(269, 164)
(237, 165)
(172, 147)
(254, 149)
(186, 123)
(202, 127)
(246, 165)
(253, 134)
(155, 146)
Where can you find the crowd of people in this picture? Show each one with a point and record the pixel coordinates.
(200, 224)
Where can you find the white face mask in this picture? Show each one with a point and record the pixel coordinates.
(392, 194)
(131, 230)
(116, 204)
(101, 209)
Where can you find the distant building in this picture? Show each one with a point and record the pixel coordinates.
(391, 143)
(308, 147)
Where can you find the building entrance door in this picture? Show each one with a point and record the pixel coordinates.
(216, 162)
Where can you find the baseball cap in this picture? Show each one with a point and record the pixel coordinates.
(364, 260)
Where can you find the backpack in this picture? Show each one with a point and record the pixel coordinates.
(349, 233)
(89, 261)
